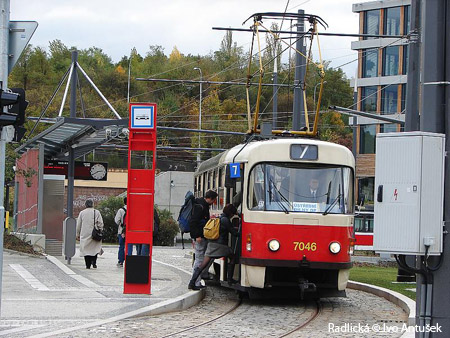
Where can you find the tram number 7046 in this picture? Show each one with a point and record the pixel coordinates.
(308, 246)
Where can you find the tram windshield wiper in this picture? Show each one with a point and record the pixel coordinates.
(272, 184)
(327, 210)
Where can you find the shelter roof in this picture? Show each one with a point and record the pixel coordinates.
(81, 134)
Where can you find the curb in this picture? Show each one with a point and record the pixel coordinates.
(407, 304)
(20, 253)
(179, 303)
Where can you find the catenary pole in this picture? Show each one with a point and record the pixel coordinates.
(275, 92)
(298, 118)
(4, 40)
(412, 85)
(412, 105)
(434, 292)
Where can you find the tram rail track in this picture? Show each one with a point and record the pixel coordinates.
(315, 314)
(230, 310)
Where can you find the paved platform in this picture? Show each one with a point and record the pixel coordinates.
(44, 296)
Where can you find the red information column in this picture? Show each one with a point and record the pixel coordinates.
(140, 197)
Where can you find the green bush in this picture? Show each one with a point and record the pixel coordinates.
(168, 229)
(108, 208)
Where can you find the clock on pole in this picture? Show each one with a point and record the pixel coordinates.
(98, 171)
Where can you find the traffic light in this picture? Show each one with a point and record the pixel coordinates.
(19, 108)
(7, 99)
(14, 99)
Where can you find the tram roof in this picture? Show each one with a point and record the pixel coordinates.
(278, 150)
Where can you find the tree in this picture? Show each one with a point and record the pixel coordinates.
(273, 49)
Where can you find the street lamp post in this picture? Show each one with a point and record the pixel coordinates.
(129, 74)
(314, 97)
(199, 115)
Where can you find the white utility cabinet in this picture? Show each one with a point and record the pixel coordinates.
(409, 193)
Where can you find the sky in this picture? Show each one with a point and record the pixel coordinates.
(118, 26)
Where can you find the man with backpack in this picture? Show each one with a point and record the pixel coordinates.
(200, 215)
(120, 220)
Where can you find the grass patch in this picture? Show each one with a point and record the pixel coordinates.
(381, 276)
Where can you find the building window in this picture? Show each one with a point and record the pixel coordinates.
(388, 128)
(405, 59)
(367, 139)
(389, 97)
(369, 97)
(392, 21)
(407, 23)
(366, 191)
(390, 60)
(370, 62)
(372, 23)
(403, 102)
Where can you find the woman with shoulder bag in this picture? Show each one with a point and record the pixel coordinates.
(219, 248)
(86, 221)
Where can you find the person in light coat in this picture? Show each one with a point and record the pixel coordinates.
(89, 249)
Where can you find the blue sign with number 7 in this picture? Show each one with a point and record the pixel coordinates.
(235, 170)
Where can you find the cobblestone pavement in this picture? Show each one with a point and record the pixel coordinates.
(260, 318)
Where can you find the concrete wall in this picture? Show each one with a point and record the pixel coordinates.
(170, 188)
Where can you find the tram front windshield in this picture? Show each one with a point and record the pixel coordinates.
(301, 188)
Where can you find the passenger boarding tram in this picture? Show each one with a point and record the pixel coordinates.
(295, 198)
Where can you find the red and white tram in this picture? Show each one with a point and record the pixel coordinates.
(296, 202)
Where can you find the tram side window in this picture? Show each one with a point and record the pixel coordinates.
(196, 185)
(256, 189)
(203, 184)
(364, 223)
(214, 179)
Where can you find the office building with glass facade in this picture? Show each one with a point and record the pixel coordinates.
(380, 82)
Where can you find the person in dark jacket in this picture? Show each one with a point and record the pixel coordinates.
(219, 247)
(200, 215)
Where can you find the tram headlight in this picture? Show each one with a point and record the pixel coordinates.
(335, 247)
(273, 245)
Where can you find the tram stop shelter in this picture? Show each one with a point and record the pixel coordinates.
(39, 198)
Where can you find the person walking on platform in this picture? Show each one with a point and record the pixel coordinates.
(200, 215)
(219, 248)
(89, 248)
(120, 221)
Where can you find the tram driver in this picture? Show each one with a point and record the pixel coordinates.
(314, 193)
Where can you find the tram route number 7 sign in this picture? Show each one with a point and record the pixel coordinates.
(235, 170)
